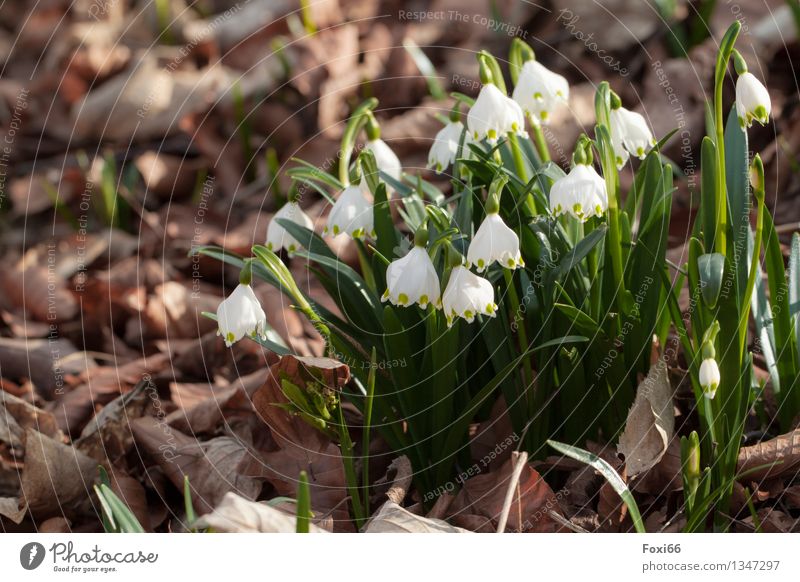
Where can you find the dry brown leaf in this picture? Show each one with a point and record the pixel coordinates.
(214, 467)
(303, 448)
(235, 514)
(781, 455)
(57, 479)
(391, 518)
(485, 494)
(650, 423)
(145, 102)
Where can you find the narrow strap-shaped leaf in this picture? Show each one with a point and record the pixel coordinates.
(610, 475)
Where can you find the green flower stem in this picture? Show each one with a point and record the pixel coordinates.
(523, 334)
(366, 267)
(365, 433)
(357, 120)
(346, 444)
(751, 277)
(522, 172)
(726, 46)
(519, 159)
(608, 163)
(541, 142)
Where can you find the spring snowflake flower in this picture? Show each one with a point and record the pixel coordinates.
(494, 241)
(494, 115)
(386, 160)
(752, 101)
(445, 146)
(241, 315)
(351, 214)
(630, 135)
(412, 279)
(539, 91)
(277, 237)
(581, 193)
(709, 377)
(467, 295)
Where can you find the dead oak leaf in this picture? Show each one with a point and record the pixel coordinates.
(651, 422)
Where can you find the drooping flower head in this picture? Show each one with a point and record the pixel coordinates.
(386, 160)
(539, 91)
(352, 213)
(277, 236)
(582, 192)
(752, 101)
(709, 377)
(494, 241)
(630, 134)
(467, 295)
(494, 115)
(444, 150)
(412, 278)
(240, 314)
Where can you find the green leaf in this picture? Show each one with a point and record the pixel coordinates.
(303, 503)
(310, 240)
(711, 267)
(118, 513)
(737, 182)
(582, 321)
(708, 189)
(610, 475)
(577, 254)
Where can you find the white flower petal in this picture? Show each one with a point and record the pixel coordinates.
(277, 236)
(631, 129)
(241, 315)
(444, 150)
(752, 101)
(494, 241)
(386, 160)
(412, 279)
(709, 376)
(467, 295)
(581, 193)
(494, 115)
(351, 214)
(539, 91)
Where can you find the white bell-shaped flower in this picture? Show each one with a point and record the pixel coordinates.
(241, 315)
(539, 91)
(278, 237)
(630, 134)
(412, 279)
(494, 241)
(752, 101)
(386, 160)
(444, 150)
(351, 214)
(467, 295)
(494, 115)
(709, 377)
(581, 193)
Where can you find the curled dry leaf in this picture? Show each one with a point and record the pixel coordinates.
(302, 448)
(235, 514)
(772, 458)
(214, 467)
(484, 495)
(57, 479)
(650, 423)
(391, 518)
